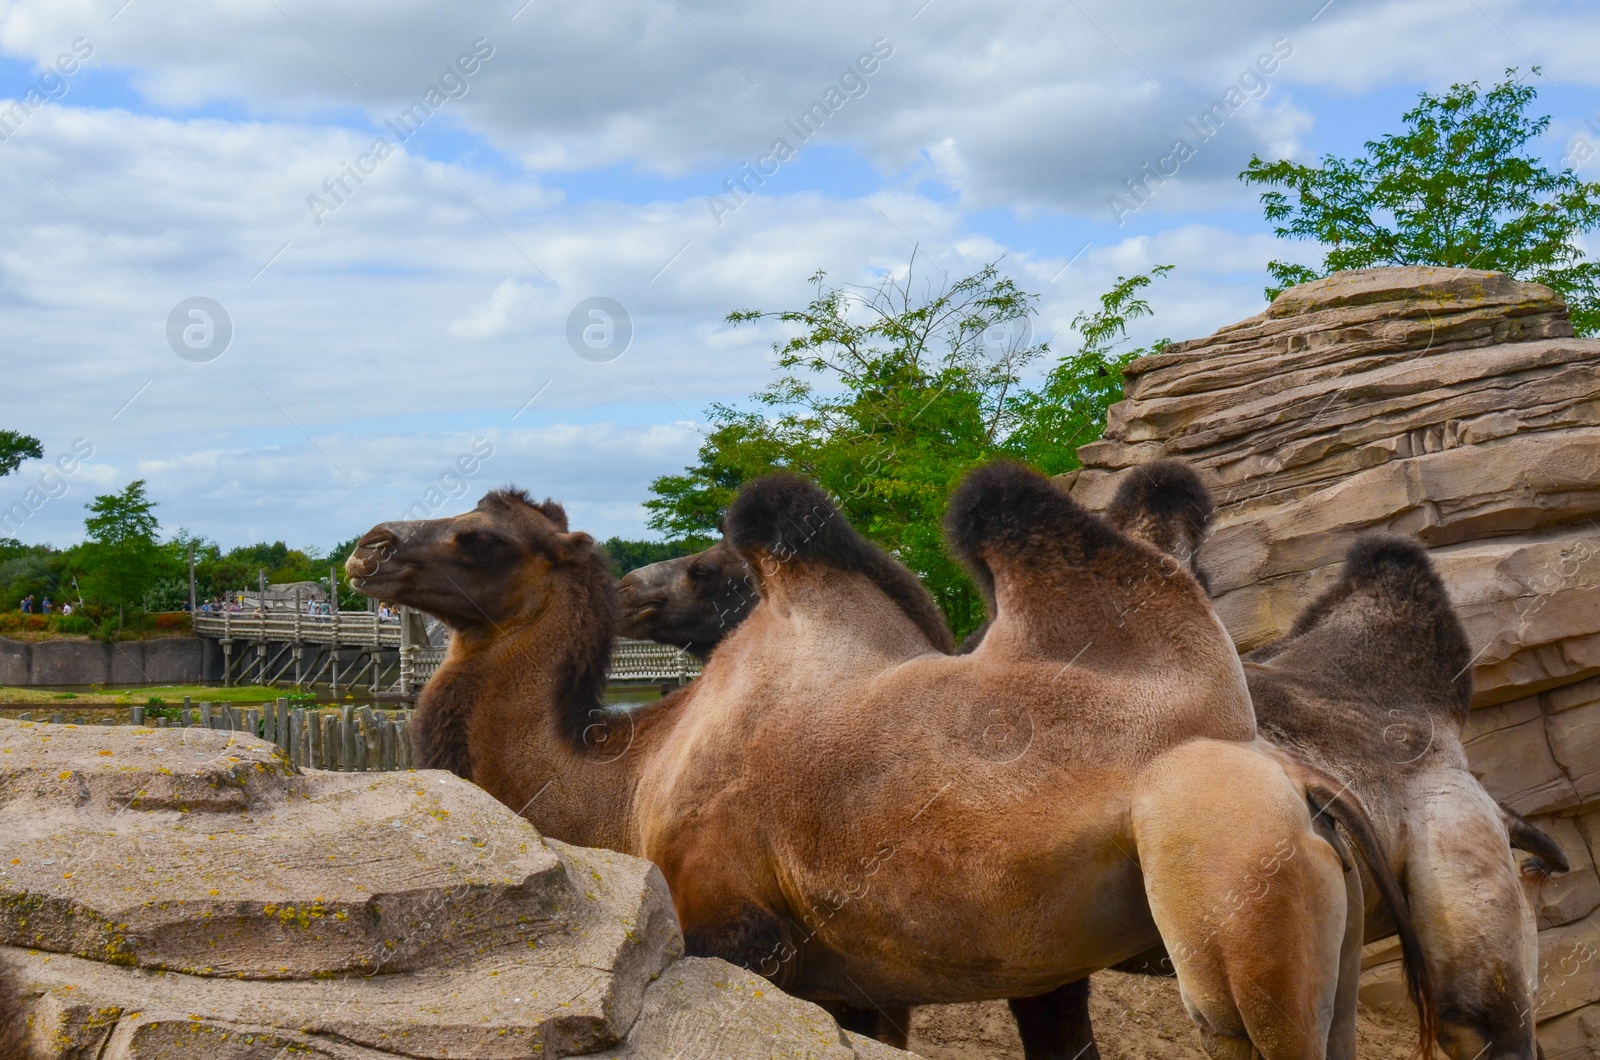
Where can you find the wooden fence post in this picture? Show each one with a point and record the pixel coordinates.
(370, 739)
(347, 744)
(332, 749)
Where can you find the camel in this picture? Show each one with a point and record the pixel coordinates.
(832, 762)
(1372, 684)
(691, 602)
(1391, 729)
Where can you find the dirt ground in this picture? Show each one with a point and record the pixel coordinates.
(1135, 1018)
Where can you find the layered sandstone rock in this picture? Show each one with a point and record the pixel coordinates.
(1455, 406)
(189, 893)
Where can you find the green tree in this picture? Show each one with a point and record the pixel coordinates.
(120, 557)
(1069, 409)
(626, 555)
(15, 448)
(1456, 188)
(889, 394)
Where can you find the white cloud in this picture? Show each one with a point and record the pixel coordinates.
(490, 319)
(1015, 106)
(429, 305)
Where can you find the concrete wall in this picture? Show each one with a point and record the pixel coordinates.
(167, 660)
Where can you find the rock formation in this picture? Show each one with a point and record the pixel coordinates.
(189, 893)
(1456, 406)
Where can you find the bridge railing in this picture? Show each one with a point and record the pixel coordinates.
(361, 628)
(632, 661)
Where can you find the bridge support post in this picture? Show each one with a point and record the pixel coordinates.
(227, 663)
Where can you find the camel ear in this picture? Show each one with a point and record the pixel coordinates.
(553, 512)
(574, 546)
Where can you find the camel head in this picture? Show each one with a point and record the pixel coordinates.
(691, 602)
(500, 565)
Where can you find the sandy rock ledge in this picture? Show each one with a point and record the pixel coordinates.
(169, 893)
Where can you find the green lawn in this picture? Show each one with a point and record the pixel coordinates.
(171, 695)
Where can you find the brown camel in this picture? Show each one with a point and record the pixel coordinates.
(832, 762)
(1372, 684)
(1389, 722)
(691, 602)
(15, 1041)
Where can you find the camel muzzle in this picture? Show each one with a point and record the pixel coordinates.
(376, 547)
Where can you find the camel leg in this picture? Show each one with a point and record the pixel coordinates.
(1342, 1036)
(890, 1025)
(1055, 1026)
(1250, 901)
(894, 1026)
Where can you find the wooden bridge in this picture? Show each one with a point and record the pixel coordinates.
(357, 649)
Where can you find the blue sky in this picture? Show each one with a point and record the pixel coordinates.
(425, 311)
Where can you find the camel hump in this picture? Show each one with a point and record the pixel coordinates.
(1390, 609)
(1007, 508)
(783, 519)
(789, 517)
(1166, 504)
(1388, 576)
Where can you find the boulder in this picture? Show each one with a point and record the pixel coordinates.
(189, 892)
(1455, 406)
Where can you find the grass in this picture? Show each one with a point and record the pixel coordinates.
(170, 695)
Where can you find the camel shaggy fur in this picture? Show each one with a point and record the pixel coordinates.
(15, 1039)
(843, 806)
(1372, 684)
(1376, 698)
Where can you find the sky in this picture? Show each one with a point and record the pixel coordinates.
(307, 267)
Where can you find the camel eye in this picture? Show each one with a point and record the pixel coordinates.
(478, 543)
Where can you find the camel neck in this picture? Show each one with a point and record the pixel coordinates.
(516, 714)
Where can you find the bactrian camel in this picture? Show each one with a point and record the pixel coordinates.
(827, 802)
(1374, 691)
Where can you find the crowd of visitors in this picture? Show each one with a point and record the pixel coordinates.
(43, 606)
(233, 604)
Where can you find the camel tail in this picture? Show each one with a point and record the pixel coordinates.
(1341, 806)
